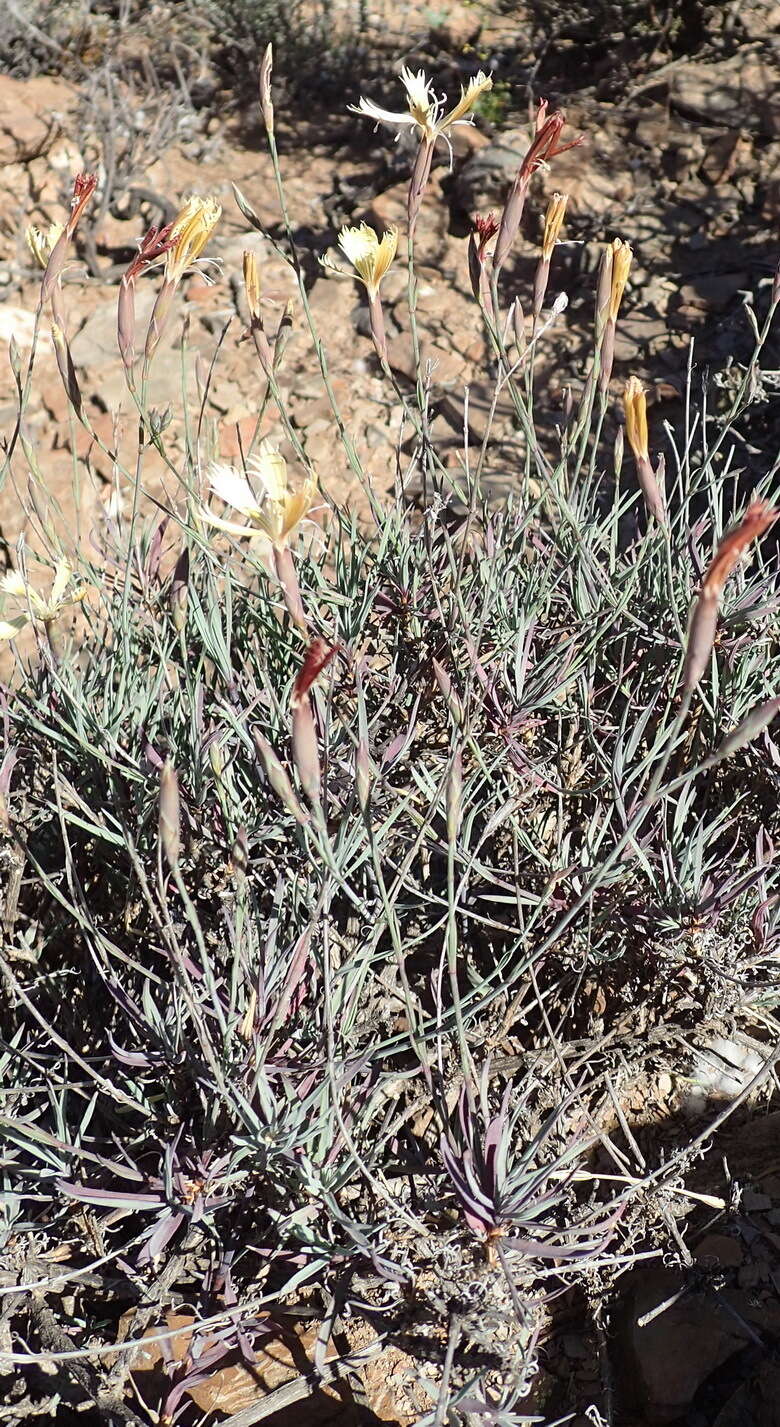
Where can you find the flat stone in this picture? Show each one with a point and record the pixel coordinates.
(94, 350)
(31, 113)
(388, 210)
(740, 92)
(671, 1356)
(16, 322)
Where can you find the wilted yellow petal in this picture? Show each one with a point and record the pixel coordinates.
(553, 222)
(298, 506)
(40, 242)
(14, 583)
(635, 406)
(61, 580)
(231, 527)
(480, 84)
(9, 628)
(191, 231)
(385, 253)
(622, 255)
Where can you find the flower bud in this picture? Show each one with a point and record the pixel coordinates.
(169, 814)
(252, 286)
(305, 749)
(279, 780)
(266, 101)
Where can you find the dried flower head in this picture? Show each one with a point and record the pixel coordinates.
(84, 186)
(635, 406)
(369, 255)
(276, 512)
(553, 222)
(484, 229)
(41, 242)
(650, 481)
(83, 189)
(613, 274)
(266, 100)
(424, 111)
(317, 657)
(190, 232)
(154, 244)
(45, 608)
(544, 145)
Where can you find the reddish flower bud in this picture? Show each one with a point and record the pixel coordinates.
(83, 189)
(757, 518)
(318, 655)
(704, 617)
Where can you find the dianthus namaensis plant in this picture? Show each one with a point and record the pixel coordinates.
(355, 862)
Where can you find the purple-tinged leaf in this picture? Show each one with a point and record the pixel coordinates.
(161, 1235)
(6, 769)
(152, 756)
(751, 726)
(109, 1197)
(398, 745)
(137, 1059)
(154, 553)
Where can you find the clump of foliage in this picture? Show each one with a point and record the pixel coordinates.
(345, 874)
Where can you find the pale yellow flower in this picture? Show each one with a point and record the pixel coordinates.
(369, 255)
(553, 222)
(40, 241)
(191, 231)
(622, 255)
(635, 406)
(424, 110)
(38, 606)
(276, 511)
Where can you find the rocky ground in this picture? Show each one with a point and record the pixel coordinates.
(683, 160)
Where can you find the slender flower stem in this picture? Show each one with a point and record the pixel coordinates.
(346, 440)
